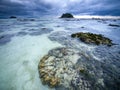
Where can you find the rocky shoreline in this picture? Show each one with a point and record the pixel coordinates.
(71, 68)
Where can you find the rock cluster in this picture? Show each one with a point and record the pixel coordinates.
(58, 68)
(93, 38)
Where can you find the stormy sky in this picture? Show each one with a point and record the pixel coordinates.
(32, 8)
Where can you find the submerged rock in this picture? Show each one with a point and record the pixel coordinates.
(35, 32)
(92, 38)
(67, 15)
(1, 37)
(26, 19)
(6, 38)
(21, 33)
(114, 25)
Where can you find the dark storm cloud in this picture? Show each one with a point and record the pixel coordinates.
(23, 8)
(11, 8)
(55, 7)
(96, 7)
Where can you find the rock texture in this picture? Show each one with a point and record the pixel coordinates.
(58, 68)
(70, 69)
(67, 15)
(93, 38)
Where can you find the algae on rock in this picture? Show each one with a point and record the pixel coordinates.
(57, 67)
(92, 38)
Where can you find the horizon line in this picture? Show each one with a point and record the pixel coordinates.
(96, 17)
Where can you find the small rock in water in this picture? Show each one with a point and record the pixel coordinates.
(114, 25)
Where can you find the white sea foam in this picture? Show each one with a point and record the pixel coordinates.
(19, 62)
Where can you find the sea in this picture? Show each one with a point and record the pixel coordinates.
(24, 41)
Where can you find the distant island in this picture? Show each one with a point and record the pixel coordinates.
(67, 15)
(12, 17)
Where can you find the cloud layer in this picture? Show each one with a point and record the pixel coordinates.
(56, 7)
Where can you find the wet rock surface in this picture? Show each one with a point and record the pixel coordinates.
(70, 69)
(63, 38)
(59, 66)
(99, 66)
(92, 38)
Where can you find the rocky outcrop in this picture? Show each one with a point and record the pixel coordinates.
(57, 68)
(92, 38)
(70, 69)
(67, 15)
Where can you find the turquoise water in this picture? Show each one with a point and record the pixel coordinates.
(23, 42)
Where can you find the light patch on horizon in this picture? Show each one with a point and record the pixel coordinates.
(96, 16)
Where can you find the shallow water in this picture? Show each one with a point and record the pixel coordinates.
(24, 42)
